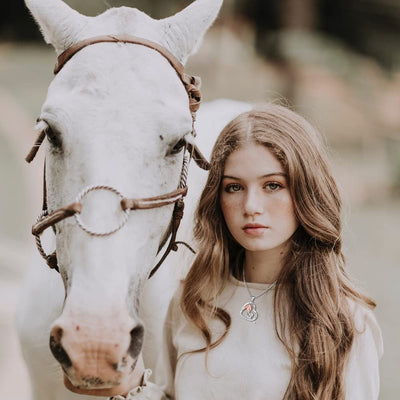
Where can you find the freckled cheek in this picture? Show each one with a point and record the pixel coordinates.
(230, 209)
(282, 208)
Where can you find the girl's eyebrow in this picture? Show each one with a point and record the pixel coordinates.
(260, 177)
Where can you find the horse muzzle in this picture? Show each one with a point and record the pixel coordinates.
(96, 357)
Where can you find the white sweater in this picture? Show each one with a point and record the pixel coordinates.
(251, 363)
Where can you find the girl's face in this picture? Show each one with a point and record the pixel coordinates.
(255, 200)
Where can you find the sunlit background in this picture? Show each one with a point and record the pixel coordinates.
(335, 61)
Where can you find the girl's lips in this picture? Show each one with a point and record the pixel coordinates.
(254, 229)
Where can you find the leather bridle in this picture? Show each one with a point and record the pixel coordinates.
(48, 219)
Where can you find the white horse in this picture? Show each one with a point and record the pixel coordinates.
(114, 116)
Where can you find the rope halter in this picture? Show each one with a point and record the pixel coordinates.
(48, 219)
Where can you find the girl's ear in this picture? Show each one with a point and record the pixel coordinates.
(185, 30)
(58, 22)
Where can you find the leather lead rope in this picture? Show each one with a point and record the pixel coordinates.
(177, 216)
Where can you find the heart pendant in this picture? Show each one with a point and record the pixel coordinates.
(249, 312)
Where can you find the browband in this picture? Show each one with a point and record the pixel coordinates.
(191, 83)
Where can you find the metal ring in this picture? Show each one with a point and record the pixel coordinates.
(79, 219)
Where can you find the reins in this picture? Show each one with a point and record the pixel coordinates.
(48, 219)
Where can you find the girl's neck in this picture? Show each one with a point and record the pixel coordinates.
(264, 267)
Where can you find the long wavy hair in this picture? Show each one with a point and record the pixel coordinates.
(312, 315)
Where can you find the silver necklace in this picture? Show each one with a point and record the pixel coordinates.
(249, 310)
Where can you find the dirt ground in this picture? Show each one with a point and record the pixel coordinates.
(371, 220)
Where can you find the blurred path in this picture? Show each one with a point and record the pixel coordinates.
(373, 256)
(14, 125)
(20, 201)
(14, 380)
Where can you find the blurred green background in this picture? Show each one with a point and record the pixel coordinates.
(335, 61)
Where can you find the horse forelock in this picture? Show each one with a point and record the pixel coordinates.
(122, 21)
(128, 15)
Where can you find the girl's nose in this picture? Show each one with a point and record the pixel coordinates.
(253, 203)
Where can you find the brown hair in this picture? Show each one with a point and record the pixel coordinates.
(312, 317)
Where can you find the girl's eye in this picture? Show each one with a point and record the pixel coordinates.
(233, 187)
(273, 186)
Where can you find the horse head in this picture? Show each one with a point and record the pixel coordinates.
(115, 118)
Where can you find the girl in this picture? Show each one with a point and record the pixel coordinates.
(267, 311)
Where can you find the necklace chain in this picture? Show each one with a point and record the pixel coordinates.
(270, 287)
(248, 310)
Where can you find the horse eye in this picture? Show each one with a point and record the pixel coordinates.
(52, 136)
(178, 146)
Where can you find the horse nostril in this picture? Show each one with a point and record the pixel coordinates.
(136, 344)
(57, 333)
(56, 348)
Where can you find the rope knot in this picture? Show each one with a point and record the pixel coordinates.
(193, 84)
(52, 262)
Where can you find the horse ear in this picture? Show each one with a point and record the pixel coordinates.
(185, 30)
(58, 22)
